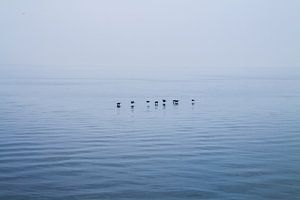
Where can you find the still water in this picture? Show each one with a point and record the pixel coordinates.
(66, 139)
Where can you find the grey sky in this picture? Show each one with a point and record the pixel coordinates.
(199, 33)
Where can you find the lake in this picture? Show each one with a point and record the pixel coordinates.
(65, 138)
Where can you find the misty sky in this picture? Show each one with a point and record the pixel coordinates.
(155, 33)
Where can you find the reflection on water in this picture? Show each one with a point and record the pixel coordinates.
(66, 139)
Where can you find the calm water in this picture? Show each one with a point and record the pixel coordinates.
(65, 139)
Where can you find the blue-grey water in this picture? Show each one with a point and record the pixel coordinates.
(64, 138)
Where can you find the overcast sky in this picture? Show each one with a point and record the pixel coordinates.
(156, 33)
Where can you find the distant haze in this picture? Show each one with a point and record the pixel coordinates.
(157, 34)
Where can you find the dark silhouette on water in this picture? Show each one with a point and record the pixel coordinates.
(193, 101)
(175, 102)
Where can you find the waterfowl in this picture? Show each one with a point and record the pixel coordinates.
(156, 103)
(175, 102)
(118, 105)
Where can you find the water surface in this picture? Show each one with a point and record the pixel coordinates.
(64, 138)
